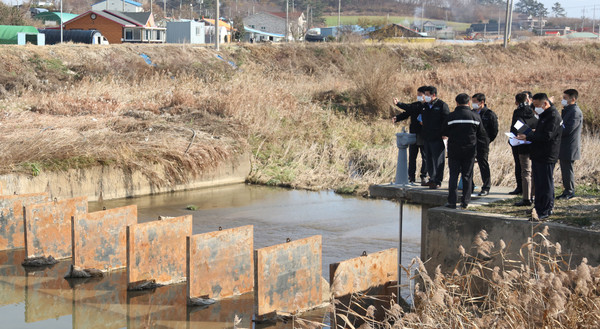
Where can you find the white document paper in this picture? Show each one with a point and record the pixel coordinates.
(510, 135)
(518, 125)
(517, 142)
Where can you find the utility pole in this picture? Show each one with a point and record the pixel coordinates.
(164, 7)
(217, 26)
(61, 21)
(337, 32)
(191, 11)
(422, 16)
(508, 22)
(594, 21)
(287, 20)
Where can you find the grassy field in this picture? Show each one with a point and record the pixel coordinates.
(404, 20)
(312, 116)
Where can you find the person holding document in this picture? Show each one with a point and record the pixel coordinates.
(525, 115)
(544, 153)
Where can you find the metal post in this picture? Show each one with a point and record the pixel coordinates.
(400, 252)
(510, 18)
(217, 26)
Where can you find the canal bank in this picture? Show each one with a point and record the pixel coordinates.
(445, 230)
(108, 182)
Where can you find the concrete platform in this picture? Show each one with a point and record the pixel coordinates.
(433, 198)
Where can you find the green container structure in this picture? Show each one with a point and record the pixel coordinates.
(9, 33)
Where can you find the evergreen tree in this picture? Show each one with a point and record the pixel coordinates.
(558, 10)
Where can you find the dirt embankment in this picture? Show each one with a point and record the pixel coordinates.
(313, 116)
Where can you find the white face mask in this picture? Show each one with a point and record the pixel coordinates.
(419, 98)
(475, 106)
(428, 99)
(539, 110)
(564, 102)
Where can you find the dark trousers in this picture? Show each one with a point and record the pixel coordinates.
(515, 152)
(436, 159)
(464, 167)
(413, 152)
(543, 180)
(568, 176)
(484, 169)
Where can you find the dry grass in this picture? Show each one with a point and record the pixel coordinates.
(273, 106)
(540, 289)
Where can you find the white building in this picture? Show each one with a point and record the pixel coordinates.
(273, 23)
(186, 31)
(129, 6)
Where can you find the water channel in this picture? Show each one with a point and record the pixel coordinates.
(348, 225)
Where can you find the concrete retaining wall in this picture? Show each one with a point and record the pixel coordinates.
(156, 251)
(100, 238)
(444, 230)
(221, 264)
(104, 183)
(12, 232)
(48, 227)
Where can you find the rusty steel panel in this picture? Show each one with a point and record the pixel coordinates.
(221, 264)
(363, 273)
(288, 277)
(157, 250)
(12, 232)
(48, 227)
(100, 238)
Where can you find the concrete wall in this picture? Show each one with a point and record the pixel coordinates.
(444, 230)
(104, 183)
(99, 238)
(221, 264)
(48, 227)
(157, 251)
(266, 22)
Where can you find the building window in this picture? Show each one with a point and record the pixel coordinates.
(263, 28)
(148, 35)
(158, 35)
(133, 34)
(252, 26)
(198, 30)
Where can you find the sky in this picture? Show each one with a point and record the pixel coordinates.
(574, 8)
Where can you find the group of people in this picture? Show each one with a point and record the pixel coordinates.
(540, 138)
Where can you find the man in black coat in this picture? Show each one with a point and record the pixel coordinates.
(465, 134)
(489, 120)
(545, 146)
(570, 144)
(414, 111)
(435, 118)
(524, 113)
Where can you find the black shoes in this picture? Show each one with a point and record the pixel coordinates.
(484, 193)
(523, 203)
(565, 196)
(516, 191)
(449, 205)
(425, 183)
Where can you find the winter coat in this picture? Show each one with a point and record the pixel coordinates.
(465, 133)
(545, 140)
(570, 144)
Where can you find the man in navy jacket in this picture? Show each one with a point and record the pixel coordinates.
(545, 146)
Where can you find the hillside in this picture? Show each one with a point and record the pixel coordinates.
(313, 116)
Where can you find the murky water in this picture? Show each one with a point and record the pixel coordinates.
(349, 226)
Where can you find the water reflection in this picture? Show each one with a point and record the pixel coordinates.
(42, 298)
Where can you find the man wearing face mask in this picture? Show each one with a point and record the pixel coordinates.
(570, 145)
(414, 111)
(465, 134)
(435, 118)
(545, 146)
(489, 120)
(525, 114)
